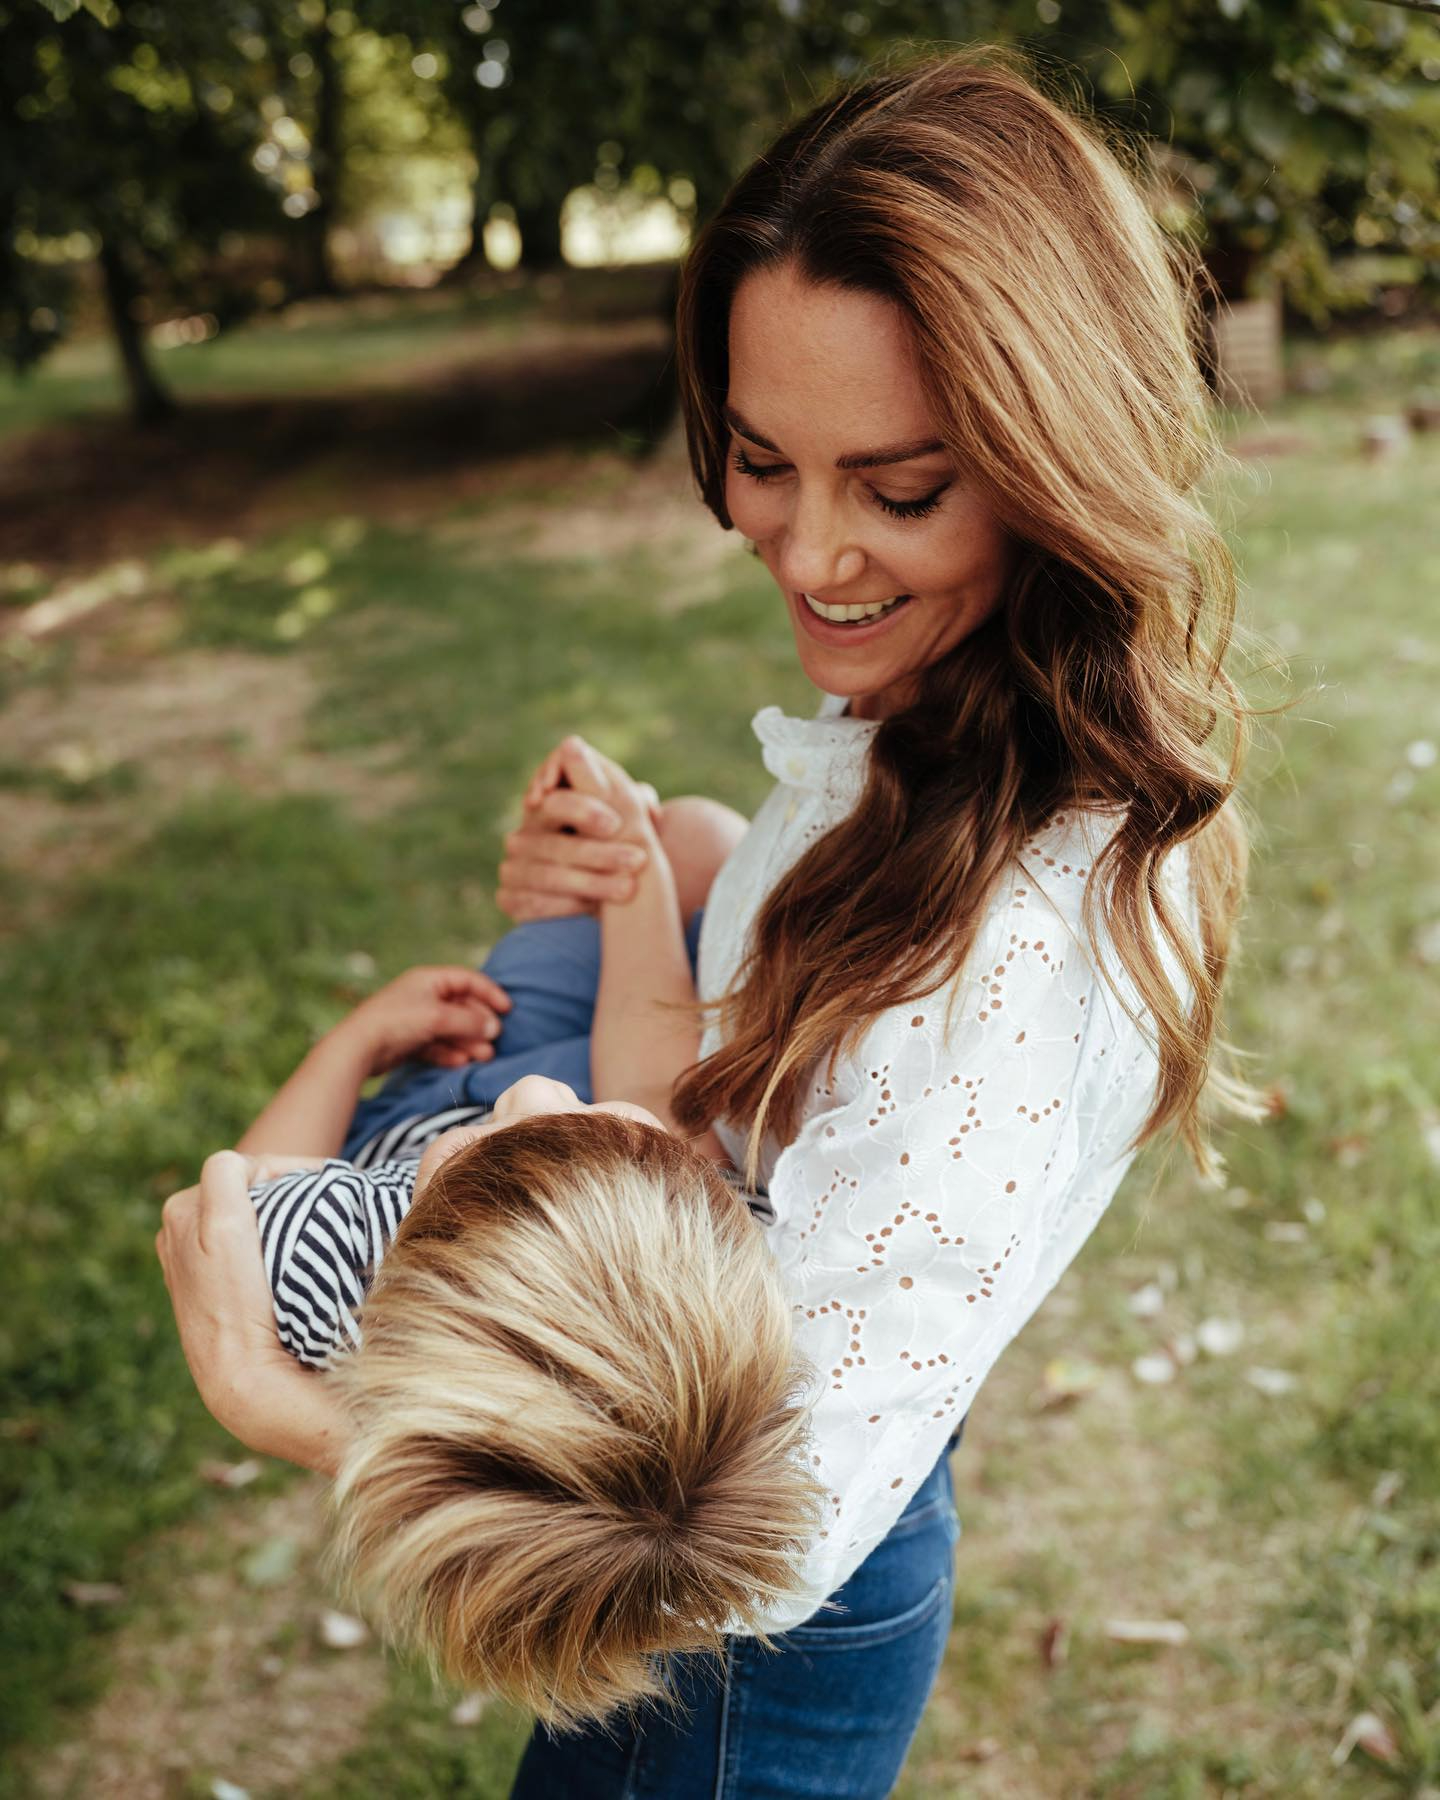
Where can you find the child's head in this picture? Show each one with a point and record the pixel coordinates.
(576, 1431)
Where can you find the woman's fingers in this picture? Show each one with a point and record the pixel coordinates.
(561, 880)
(547, 846)
(564, 808)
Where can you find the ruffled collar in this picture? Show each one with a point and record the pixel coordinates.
(825, 754)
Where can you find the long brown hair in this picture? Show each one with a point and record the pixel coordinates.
(1055, 329)
(576, 1420)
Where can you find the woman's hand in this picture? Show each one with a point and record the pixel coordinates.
(209, 1249)
(581, 840)
(447, 1016)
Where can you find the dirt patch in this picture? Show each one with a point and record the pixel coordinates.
(650, 507)
(225, 1674)
(91, 764)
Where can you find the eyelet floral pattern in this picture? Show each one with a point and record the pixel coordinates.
(946, 1177)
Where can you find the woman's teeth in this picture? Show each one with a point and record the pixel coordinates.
(846, 615)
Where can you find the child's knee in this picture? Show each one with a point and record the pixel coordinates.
(698, 835)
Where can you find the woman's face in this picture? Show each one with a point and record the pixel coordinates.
(837, 475)
(526, 1099)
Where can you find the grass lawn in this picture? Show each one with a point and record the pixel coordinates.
(275, 773)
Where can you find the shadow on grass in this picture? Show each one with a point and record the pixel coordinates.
(84, 493)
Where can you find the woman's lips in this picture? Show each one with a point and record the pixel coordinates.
(852, 633)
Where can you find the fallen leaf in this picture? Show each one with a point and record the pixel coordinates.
(1147, 1631)
(468, 1710)
(1055, 1643)
(93, 1593)
(271, 1563)
(984, 1749)
(221, 1789)
(338, 1631)
(1386, 1488)
(1182, 1349)
(1220, 1337)
(1425, 945)
(1286, 1231)
(230, 1475)
(1147, 1301)
(1067, 1379)
(1373, 1735)
(1271, 1381)
(1154, 1371)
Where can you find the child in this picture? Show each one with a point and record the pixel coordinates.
(574, 1440)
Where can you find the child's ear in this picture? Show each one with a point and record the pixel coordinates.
(442, 1148)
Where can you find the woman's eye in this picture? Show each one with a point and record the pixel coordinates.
(897, 509)
(911, 509)
(757, 471)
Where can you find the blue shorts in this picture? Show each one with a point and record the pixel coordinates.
(831, 1709)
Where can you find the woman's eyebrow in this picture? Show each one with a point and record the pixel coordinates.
(854, 459)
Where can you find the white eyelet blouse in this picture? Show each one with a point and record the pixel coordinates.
(935, 1193)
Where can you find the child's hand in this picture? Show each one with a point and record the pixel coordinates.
(446, 1016)
(588, 772)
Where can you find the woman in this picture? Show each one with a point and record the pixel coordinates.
(937, 366)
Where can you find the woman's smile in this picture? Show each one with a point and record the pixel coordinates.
(846, 624)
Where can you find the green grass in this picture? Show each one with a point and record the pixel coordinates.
(158, 1000)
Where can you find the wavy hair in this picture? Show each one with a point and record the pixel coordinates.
(1055, 329)
(576, 1433)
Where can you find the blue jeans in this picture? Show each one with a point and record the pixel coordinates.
(831, 1710)
(829, 1713)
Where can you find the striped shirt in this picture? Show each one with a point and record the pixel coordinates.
(324, 1231)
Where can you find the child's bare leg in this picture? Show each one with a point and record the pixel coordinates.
(698, 834)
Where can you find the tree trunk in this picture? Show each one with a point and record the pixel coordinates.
(317, 272)
(473, 261)
(149, 401)
(539, 235)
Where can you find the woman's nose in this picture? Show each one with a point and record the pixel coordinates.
(817, 555)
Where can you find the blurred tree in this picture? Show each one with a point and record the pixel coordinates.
(1288, 133)
(1297, 132)
(126, 139)
(553, 96)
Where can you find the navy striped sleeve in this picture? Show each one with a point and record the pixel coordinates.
(322, 1233)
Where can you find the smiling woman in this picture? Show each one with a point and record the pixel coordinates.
(886, 555)
(936, 363)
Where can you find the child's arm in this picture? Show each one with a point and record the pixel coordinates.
(447, 1015)
(646, 1030)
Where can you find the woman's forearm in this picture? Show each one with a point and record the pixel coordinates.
(645, 1031)
(311, 1113)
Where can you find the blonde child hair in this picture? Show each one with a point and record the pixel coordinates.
(577, 1439)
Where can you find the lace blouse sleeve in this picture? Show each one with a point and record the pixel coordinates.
(915, 1203)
